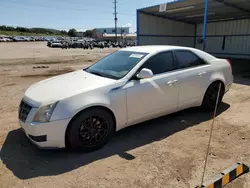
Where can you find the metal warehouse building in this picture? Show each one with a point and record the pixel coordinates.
(183, 23)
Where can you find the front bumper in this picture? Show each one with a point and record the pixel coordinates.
(46, 135)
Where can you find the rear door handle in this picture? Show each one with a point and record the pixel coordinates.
(202, 73)
(171, 82)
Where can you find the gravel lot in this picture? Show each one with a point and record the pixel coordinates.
(165, 152)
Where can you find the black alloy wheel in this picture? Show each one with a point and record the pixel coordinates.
(90, 130)
(210, 98)
(93, 130)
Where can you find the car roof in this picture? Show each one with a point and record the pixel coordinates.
(154, 48)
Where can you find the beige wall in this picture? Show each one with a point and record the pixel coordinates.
(155, 26)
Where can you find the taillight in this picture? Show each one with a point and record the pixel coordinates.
(229, 62)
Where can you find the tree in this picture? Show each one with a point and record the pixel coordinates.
(24, 30)
(72, 33)
(64, 32)
(9, 28)
(3, 27)
(88, 33)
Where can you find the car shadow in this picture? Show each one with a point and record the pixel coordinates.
(27, 161)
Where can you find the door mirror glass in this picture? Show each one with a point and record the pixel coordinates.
(145, 73)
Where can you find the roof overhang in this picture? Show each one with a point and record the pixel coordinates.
(192, 11)
(118, 35)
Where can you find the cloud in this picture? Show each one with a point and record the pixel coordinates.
(81, 29)
(77, 29)
(128, 25)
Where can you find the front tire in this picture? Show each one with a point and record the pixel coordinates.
(210, 97)
(90, 130)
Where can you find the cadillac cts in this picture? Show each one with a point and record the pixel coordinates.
(83, 109)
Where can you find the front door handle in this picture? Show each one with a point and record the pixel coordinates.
(202, 73)
(171, 82)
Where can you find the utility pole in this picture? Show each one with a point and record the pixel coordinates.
(115, 13)
(121, 31)
(204, 37)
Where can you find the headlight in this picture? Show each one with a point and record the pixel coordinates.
(44, 113)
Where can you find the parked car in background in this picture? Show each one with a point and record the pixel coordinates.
(77, 44)
(3, 39)
(65, 45)
(49, 43)
(83, 109)
(9, 39)
(32, 39)
(19, 39)
(24, 39)
(15, 39)
(56, 44)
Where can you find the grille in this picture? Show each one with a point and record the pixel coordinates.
(24, 110)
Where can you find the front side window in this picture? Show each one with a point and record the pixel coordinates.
(187, 59)
(160, 63)
(117, 64)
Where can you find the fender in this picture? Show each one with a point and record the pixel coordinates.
(115, 101)
(215, 76)
(69, 107)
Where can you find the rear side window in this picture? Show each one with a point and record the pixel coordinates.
(160, 63)
(187, 59)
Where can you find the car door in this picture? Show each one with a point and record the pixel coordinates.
(148, 98)
(193, 77)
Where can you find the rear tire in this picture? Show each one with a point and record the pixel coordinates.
(210, 97)
(90, 130)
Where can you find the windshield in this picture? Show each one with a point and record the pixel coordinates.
(117, 64)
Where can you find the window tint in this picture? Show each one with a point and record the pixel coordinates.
(160, 63)
(117, 64)
(188, 59)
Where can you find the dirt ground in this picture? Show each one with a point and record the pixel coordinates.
(165, 152)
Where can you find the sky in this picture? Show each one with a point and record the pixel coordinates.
(66, 14)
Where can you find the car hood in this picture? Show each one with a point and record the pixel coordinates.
(63, 86)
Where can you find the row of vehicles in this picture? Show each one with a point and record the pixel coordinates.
(68, 42)
(23, 39)
(20, 39)
(5, 38)
(87, 44)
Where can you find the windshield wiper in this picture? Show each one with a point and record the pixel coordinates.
(96, 73)
(101, 74)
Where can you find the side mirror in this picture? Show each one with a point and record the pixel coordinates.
(145, 73)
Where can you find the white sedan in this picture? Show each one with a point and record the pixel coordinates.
(3, 39)
(82, 109)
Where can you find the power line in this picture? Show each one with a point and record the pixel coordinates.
(61, 8)
(77, 3)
